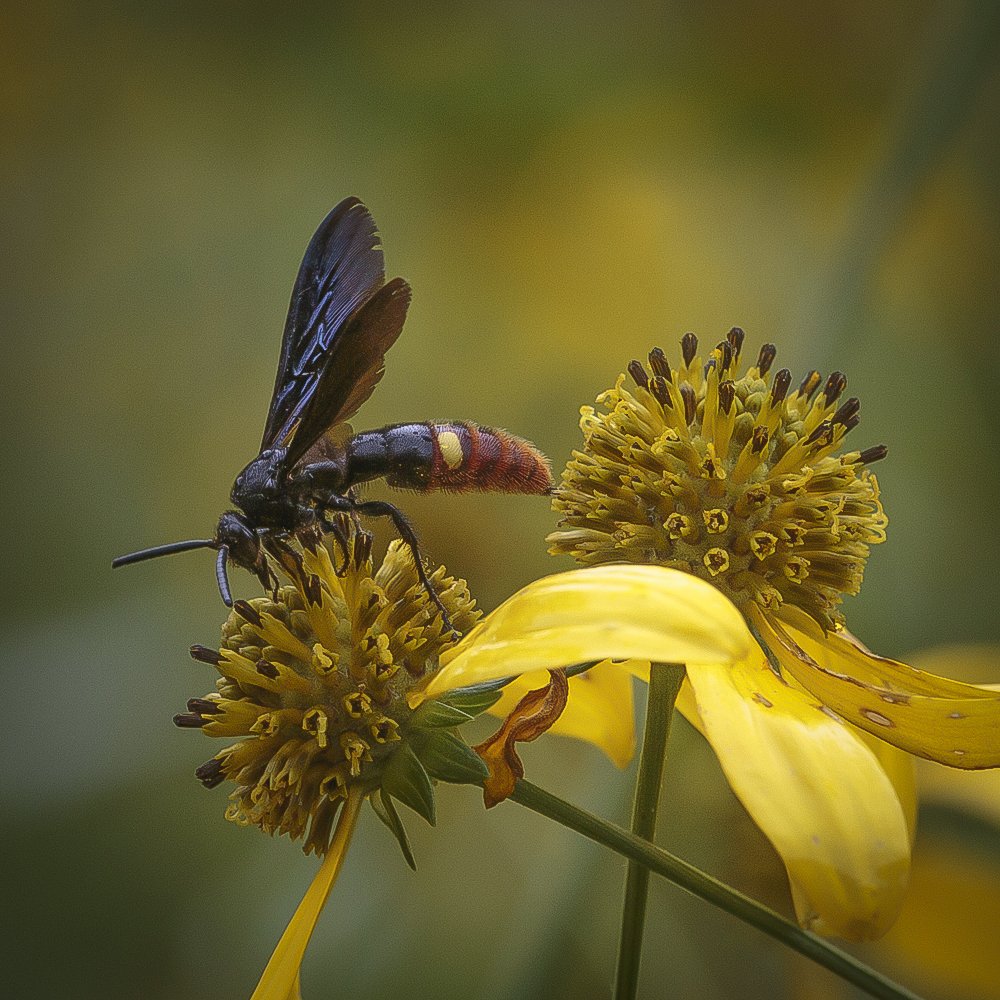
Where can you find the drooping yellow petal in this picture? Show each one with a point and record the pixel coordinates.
(280, 980)
(944, 720)
(597, 613)
(599, 709)
(816, 790)
(901, 769)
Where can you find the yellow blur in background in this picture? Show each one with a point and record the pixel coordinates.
(565, 186)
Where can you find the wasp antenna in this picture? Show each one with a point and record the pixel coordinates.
(222, 576)
(162, 550)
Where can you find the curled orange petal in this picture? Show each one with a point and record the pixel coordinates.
(533, 715)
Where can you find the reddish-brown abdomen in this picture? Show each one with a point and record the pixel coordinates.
(468, 457)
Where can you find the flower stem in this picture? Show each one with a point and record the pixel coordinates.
(700, 884)
(664, 684)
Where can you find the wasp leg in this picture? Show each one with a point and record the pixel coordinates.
(336, 529)
(382, 508)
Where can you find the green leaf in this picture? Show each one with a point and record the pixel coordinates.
(439, 715)
(404, 778)
(447, 758)
(385, 809)
(473, 701)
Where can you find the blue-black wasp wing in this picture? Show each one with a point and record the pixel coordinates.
(341, 271)
(354, 365)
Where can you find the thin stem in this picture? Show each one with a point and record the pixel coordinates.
(664, 684)
(700, 884)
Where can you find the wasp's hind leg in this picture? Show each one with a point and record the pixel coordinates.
(382, 508)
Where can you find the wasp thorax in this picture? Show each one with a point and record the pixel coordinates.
(313, 682)
(729, 476)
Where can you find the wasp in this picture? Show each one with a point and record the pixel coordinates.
(343, 318)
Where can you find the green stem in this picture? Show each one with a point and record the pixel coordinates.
(698, 883)
(664, 684)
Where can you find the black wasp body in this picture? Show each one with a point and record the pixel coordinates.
(342, 319)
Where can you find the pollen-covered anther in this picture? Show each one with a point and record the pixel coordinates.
(384, 730)
(796, 569)
(383, 654)
(355, 750)
(716, 520)
(679, 526)
(316, 722)
(716, 561)
(323, 661)
(711, 467)
(741, 443)
(357, 704)
(763, 544)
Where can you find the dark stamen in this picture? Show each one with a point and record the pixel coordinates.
(766, 358)
(875, 454)
(248, 613)
(184, 721)
(735, 338)
(638, 374)
(689, 348)
(727, 354)
(205, 655)
(267, 669)
(824, 431)
(210, 773)
(780, 388)
(362, 547)
(847, 410)
(313, 590)
(727, 393)
(810, 384)
(204, 707)
(658, 362)
(658, 387)
(835, 385)
(690, 402)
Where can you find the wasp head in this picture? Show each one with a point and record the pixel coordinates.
(236, 539)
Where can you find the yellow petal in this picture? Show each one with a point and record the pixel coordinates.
(816, 790)
(944, 720)
(901, 769)
(599, 709)
(280, 980)
(601, 612)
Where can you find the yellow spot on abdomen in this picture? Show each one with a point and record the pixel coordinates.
(451, 449)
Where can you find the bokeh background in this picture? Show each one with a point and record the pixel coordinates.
(564, 185)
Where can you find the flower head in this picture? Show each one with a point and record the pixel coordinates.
(722, 481)
(312, 697)
(313, 684)
(727, 476)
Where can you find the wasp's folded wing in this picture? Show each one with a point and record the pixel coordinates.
(353, 366)
(341, 270)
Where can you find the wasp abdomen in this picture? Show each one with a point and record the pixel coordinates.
(468, 457)
(458, 458)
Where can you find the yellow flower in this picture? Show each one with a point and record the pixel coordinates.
(317, 683)
(727, 487)
(311, 694)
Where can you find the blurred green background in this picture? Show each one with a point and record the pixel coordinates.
(564, 186)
